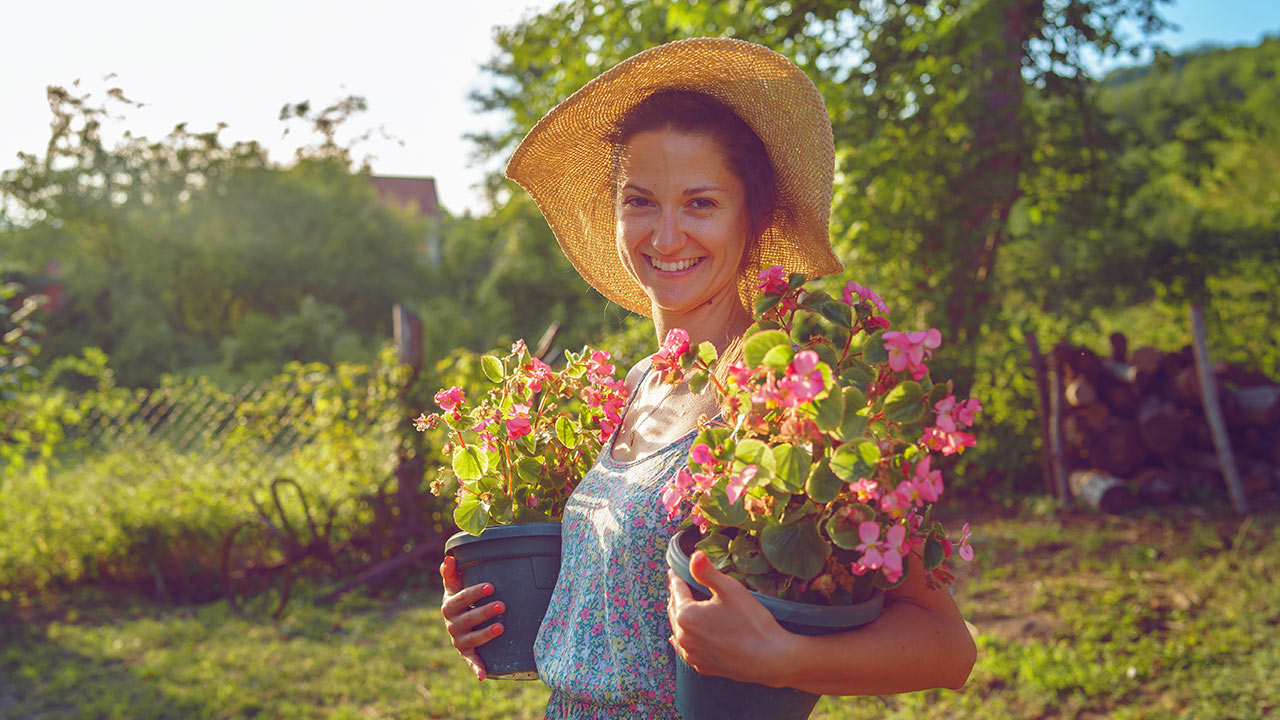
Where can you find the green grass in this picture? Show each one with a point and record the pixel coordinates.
(1155, 616)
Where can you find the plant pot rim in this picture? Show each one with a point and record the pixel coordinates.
(505, 532)
(835, 617)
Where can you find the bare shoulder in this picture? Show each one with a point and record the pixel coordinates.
(636, 372)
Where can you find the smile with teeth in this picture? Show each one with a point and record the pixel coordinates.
(673, 266)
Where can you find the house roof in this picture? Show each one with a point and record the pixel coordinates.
(416, 191)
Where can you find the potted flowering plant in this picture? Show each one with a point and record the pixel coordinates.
(515, 456)
(816, 486)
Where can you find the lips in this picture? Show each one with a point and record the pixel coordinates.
(676, 266)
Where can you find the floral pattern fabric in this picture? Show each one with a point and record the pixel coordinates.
(602, 647)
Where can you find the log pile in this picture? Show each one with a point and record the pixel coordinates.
(1134, 431)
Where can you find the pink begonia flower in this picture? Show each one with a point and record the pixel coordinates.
(767, 394)
(422, 423)
(591, 396)
(741, 374)
(738, 483)
(701, 454)
(966, 412)
(908, 351)
(704, 481)
(803, 382)
(895, 547)
(489, 441)
(877, 321)
(944, 408)
(531, 501)
(868, 491)
(598, 364)
(928, 482)
(671, 498)
(450, 399)
(949, 443)
(869, 534)
(774, 280)
(518, 347)
(966, 550)
(667, 360)
(698, 519)
(896, 503)
(539, 372)
(852, 288)
(518, 424)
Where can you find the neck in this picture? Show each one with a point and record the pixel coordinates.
(718, 320)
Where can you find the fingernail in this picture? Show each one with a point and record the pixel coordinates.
(488, 589)
(497, 630)
(499, 608)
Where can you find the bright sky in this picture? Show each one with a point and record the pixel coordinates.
(239, 61)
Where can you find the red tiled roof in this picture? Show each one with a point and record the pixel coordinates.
(418, 191)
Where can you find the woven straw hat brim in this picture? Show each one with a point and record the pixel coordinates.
(564, 161)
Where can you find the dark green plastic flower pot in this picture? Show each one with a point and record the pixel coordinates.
(522, 562)
(705, 697)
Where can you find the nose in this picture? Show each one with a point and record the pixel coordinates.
(668, 237)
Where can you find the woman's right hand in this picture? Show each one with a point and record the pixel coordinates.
(461, 621)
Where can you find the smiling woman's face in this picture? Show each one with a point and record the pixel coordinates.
(682, 219)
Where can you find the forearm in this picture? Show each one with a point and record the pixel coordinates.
(908, 648)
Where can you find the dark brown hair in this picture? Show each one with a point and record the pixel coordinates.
(693, 113)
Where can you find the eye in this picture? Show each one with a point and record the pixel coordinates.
(702, 203)
(635, 201)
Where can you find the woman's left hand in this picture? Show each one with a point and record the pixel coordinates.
(730, 635)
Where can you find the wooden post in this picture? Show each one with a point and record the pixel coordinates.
(1213, 413)
(407, 328)
(1042, 389)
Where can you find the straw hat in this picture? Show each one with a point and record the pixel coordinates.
(564, 161)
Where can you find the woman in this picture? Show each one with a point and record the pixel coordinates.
(670, 181)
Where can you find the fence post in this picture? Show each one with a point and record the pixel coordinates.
(407, 328)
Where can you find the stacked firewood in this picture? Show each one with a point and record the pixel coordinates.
(1133, 427)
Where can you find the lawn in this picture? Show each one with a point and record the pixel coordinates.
(1166, 614)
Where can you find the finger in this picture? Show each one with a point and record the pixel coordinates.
(705, 572)
(681, 593)
(459, 602)
(449, 573)
(477, 665)
(476, 638)
(465, 622)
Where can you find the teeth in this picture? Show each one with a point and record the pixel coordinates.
(675, 266)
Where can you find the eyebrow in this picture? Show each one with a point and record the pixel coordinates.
(688, 191)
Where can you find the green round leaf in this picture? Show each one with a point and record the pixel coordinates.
(855, 459)
(779, 356)
(858, 374)
(933, 555)
(823, 485)
(706, 352)
(492, 367)
(715, 506)
(471, 515)
(902, 404)
(843, 532)
(529, 470)
(796, 549)
(566, 433)
(791, 468)
(755, 452)
(698, 380)
(469, 463)
(873, 350)
(758, 345)
(766, 302)
(746, 557)
(716, 547)
(831, 411)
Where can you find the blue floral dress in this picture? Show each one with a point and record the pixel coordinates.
(602, 647)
